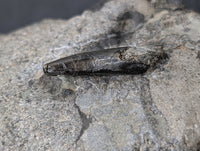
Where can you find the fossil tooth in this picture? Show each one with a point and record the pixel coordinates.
(107, 61)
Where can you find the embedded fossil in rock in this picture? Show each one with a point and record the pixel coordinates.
(122, 60)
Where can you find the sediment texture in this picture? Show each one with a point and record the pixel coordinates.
(157, 110)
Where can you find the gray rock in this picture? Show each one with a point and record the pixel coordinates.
(158, 110)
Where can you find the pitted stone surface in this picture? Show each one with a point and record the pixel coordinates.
(158, 110)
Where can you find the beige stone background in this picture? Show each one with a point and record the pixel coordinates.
(158, 110)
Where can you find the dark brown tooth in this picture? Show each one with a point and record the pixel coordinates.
(102, 62)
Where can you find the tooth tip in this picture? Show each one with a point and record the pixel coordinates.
(45, 68)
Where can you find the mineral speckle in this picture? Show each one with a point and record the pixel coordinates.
(158, 110)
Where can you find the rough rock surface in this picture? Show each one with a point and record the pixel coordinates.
(159, 110)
